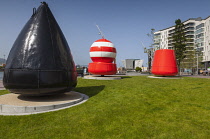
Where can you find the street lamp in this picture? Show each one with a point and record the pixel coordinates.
(197, 63)
(4, 60)
(197, 53)
(149, 51)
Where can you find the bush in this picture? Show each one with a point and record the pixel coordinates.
(138, 69)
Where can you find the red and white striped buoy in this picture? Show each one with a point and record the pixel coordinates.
(103, 54)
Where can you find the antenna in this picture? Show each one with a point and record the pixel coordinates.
(100, 32)
(145, 49)
(143, 45)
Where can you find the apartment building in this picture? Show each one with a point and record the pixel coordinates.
(197, 32)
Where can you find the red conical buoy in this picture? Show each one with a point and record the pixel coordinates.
(164, 63)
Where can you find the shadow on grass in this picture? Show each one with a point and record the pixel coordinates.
(51, 98)
(90, 90)
(124, 77)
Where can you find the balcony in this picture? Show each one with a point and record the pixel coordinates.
(155, 35)
(189, 29)
(189, 36)
(189, 33)
(190, 24)
(170, 47)
(200, 26)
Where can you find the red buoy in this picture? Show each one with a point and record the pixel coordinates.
(103, 54)
(164, 63)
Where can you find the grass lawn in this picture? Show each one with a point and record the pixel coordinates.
(134, 107)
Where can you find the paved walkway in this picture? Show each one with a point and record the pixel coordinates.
(196, 76)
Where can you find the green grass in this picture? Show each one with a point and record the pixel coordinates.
(134, 107)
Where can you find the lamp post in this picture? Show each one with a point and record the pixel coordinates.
(4, 60)
(197, 63)
(197, 53)
(149, 51)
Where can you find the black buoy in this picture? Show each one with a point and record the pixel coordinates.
(40, 61)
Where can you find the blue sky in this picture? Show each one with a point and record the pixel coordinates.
(124, 22)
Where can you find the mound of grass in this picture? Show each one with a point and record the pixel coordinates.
(134, 107)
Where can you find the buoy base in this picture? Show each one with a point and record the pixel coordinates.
(100, 68)
(164, 71)
(15, 104)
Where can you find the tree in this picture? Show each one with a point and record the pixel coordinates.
(190, 60)
(179, 42)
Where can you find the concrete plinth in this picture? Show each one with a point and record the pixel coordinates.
(2, 86)
(15, 104)
(165, 77)
(98, 77)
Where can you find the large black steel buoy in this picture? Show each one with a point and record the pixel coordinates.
(40, 61)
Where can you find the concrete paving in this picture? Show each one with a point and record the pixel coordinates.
(15, 104)
(166, 77)
(2, 86)
(98, 77)
(196, 76)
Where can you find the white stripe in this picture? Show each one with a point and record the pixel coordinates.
(107, 44)
(102, 54)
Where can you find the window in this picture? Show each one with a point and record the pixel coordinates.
(199, 31)
(200, 26)
(199, 35)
